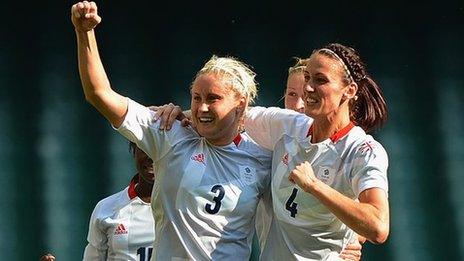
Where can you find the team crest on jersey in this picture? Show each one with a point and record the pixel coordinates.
(326, 175)
(120, 230)
(200, 157)
(285, 159)
(248, 174)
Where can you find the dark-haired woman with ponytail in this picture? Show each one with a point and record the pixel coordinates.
(329, 177)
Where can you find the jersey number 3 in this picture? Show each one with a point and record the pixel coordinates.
(290, 205)
(209, 208)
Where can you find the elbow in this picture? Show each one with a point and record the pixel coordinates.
(92, 98)
(380, 234)
(89, 98)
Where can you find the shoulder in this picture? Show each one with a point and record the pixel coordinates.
(249, 145)
(188, 131)
(365, 146)
(111, 204)
(138, 112)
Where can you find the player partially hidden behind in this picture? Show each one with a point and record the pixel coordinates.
(122, 226)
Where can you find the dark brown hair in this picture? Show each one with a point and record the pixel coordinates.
(369, 110)
(132, 148)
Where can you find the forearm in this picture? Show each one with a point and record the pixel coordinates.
(95, 83)
(366, 219)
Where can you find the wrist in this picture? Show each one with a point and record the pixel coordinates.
(313, 186)
(82, 31)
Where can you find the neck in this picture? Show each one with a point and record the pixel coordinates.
(143, 190)
(324, 128)
(227, 133)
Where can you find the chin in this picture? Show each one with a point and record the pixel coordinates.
(148, 177)
(205, 131)
(309, 113)
(208, 135)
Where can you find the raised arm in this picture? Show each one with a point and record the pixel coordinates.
(95, 83)
(47, 257)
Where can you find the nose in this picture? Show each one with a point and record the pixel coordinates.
(203, 107)
(308, 88)
(300, 104)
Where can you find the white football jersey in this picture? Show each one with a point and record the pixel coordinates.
(205, 197)
(121, 228)
(350, 162)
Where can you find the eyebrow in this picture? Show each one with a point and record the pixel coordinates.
(319, 74)
(213, 95)
(291, 87)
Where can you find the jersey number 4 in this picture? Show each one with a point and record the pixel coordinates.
(291, 205)
(209, 208)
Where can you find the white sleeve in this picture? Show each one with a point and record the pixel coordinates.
(369, 167)
(263, 218)
(97, 246)
(139, 127)
(267, 125)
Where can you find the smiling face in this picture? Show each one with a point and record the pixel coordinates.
(294, 93)
(325, 87)
(216, 109)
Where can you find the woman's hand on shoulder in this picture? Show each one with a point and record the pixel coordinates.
(169, 113)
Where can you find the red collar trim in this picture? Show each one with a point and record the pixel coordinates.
(338, 135)
(237, 139)
(131, 191)
(310, 131)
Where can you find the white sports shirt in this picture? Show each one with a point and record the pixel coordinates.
(350, 162)
(205, 197)
(121, 228)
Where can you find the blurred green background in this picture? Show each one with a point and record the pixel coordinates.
(59, 157)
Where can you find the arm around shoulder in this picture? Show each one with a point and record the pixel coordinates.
(267, 125)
